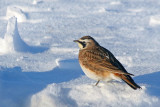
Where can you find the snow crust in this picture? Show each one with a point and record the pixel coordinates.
(39, 61)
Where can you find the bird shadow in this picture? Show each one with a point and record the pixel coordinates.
(16, 86)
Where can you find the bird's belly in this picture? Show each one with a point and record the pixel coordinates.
(90, 74)
(94, 76)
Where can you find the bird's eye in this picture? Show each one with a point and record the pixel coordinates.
(84, 42)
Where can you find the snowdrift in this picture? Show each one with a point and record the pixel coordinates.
(13, 42)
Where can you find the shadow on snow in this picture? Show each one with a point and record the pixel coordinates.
(151, 82)
(17, 86)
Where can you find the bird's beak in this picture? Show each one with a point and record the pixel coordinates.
(76, 41)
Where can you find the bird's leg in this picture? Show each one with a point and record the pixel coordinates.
(97, 83)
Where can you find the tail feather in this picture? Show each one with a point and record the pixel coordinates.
(130, 82)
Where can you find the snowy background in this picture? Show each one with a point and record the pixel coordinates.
(39, 60)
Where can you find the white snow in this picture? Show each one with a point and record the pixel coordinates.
(17, 12)
(155, 20)
(39, 61)
(115, 3)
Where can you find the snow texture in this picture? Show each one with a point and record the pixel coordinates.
(14, 11)
(39, 61)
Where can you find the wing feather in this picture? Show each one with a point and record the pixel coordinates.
(105, 60)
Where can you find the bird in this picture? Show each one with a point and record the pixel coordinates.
(99, 64)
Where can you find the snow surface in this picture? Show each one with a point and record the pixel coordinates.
(39, 60)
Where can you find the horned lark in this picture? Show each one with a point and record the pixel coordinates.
(99, 63)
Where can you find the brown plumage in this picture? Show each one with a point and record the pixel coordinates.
(99, 63)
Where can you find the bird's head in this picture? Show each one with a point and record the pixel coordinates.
(86, 42)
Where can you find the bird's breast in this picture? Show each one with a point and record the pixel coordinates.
(89, 73)
(98, 75)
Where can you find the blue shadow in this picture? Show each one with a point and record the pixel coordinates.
(16, 86)
(152, 82)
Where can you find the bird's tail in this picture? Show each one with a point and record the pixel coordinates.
(130, 82)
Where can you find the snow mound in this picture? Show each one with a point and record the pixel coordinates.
(81, 93)
(17, 12)
(7, 42)
(13, 42)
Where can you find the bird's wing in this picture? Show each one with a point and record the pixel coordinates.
(113, 60)
(105, 60)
